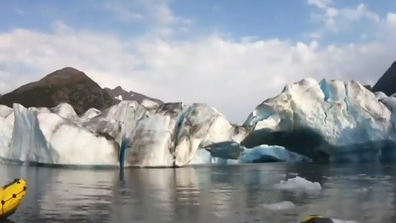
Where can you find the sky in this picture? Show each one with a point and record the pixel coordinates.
(230, 54)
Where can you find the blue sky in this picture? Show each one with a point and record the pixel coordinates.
(265, 19)
(229, 54)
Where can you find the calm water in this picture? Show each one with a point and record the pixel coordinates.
(364, 193)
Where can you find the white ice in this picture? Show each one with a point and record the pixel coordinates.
(151, 143)
(149, 104)
(343, 113)
(231, 153)
(298, 184)
(342, 221)
(51, 139)
(201, 125)
(28, 142)
(265, 153)
(280, 206)
(177, 134)
(6, 129)
(178, 130)
(203, 156)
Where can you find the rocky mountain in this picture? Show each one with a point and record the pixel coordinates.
(387, 83)
(65, 85)
(120, 94)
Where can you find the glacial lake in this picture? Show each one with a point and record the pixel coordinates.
(364, 193)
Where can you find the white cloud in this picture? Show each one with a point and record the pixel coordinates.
(231, 75)
(122, 13)
(320, 3)
(154, 13)
(314, 35)
(391, 18)
(339, 19)
(19, 11)
(358, 13)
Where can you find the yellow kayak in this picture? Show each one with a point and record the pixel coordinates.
(317, 219)
(11, 195)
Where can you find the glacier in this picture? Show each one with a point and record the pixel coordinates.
(309, 121)
(330, 120)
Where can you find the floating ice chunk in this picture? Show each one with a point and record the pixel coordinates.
(265, 153)
(342, 221)
(298, 184)
(226, 150)
(280, 206)
(203, 156)
(232, 152)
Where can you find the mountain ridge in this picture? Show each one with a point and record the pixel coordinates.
(68, 85)
(129, 95)
(387, 82)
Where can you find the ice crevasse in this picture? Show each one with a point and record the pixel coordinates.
(331, 120)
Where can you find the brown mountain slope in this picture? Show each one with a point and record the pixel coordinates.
(65, 85)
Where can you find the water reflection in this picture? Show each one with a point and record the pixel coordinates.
(202, 194)
(362, 192)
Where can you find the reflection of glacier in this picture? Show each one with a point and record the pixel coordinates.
(332, 121)
(236, 194)
(72, 193)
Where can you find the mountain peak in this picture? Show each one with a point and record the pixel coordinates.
(69, 69)
(118, 88)
(65, 73)
(65, 85)
(386, 81)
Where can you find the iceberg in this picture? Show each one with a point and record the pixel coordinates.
(266, 154)
(309, 121)
(47, 138)
(233, 153)
(6, 129)
(334, 121)
(280, 206)
(28, 141)
(298, 184)
(172, 135)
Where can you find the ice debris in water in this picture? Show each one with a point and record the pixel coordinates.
(298, 184)
(343, 221)
(283, 205)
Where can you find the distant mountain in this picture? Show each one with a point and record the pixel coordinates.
(387, 83)
(120, 94)
(65, 85)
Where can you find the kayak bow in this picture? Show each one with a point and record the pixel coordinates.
(11, 195)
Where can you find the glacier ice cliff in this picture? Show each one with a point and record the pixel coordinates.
(330, 120)
(309, 121)
(172, 135)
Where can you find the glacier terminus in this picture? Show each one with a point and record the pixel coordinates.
(309, 121)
